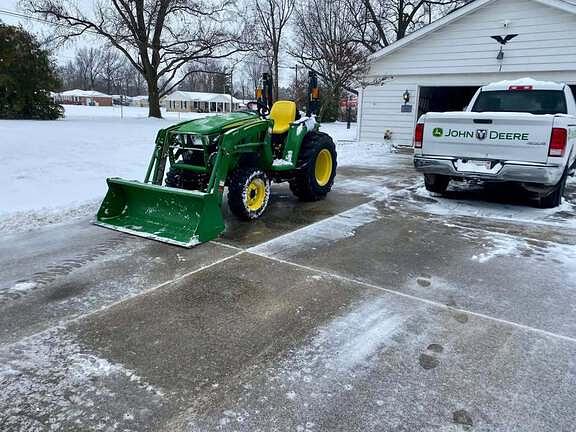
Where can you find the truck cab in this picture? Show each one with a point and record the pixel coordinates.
(521, 131)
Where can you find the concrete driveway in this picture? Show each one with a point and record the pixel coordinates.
(379, 309)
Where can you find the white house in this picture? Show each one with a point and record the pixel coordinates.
(139, 101)
(440, 66)
(200, 102)
(83, 97)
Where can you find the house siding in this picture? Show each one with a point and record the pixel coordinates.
(462, 53)
(545, 42)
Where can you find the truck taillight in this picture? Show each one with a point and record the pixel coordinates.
(558, 141)
(418, 135)
(520, 87)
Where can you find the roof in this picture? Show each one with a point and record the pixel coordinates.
(564, 5)
(200, 97)
(536, 85)
(83, 93)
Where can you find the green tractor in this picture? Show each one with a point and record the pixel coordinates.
(193, 161)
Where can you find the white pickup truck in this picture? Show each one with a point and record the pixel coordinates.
(521, 131)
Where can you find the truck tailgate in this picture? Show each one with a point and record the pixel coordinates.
(490, 136)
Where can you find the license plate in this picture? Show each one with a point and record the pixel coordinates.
(474, 165)
(482, 164)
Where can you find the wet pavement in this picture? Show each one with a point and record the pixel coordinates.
(381, 308)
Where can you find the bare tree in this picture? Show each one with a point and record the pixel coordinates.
(252, 70)
(158, 37)
(381, 22)
(271, 18)
(89, 66)
(84, 70)
(208, 76)
(111, 71)
(325, 42)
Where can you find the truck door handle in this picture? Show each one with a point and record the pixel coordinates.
(483, 121)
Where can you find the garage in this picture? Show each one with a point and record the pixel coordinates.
(441, 65)
(438, 99)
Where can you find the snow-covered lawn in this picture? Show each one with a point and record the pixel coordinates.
(53, 170)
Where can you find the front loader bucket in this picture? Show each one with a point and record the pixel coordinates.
(176, 216)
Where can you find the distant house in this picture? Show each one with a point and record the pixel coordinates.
(83, 97)
(200, 102)
(139, 101)
(440, 66)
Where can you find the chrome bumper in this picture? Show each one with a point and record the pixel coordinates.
(511, 171)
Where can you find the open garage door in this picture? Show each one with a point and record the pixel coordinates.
(440, 99)
(573, 88)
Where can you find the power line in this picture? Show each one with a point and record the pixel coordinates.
(15, 14)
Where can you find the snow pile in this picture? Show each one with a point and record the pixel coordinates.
(537, 85)
(37, 218)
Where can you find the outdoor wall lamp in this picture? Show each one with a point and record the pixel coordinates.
(406, 96)
(500, 55)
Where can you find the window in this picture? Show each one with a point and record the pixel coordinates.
(526, 101)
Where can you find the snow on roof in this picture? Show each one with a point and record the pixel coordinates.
(536, 85)
(564, 5)
(84, 93)
(141, 97)
(200, 97)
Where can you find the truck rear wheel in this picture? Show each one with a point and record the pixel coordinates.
(316, 167)
(436, 183)
(554, 198)
(248, 193)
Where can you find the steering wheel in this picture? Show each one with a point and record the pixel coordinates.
(261, 108)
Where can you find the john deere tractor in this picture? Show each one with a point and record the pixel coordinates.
(194, 161)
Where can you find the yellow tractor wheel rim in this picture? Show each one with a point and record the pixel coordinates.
(255, 194)
(323, 170)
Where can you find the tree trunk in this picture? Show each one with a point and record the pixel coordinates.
(275, 84)
(153, 98)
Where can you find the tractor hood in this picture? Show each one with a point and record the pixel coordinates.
(214, 124)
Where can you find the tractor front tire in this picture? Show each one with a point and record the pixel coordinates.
(182, 179)
(316, 167)
(248, 193)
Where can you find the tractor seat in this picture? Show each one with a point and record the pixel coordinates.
(283, 113)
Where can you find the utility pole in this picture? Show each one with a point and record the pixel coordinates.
(231, 90)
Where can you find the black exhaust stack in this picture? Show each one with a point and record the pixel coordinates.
(313, 94)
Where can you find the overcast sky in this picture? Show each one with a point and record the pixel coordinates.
(62, 55)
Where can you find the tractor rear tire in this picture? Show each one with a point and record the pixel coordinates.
(248, 192)
(181, 179)
(316, 168)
